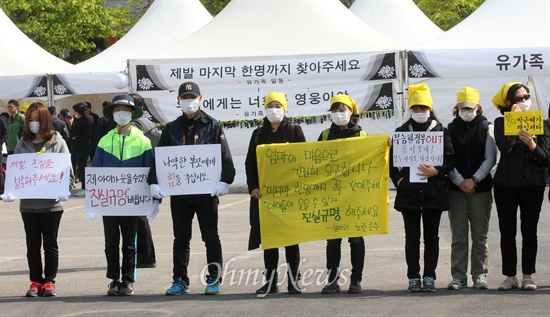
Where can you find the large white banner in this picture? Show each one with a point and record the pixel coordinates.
(38, 175)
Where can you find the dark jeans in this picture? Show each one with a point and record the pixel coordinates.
(113, 227)
(271, 260)
(529, 200)
(430, 222)
(357, 246)
(183, 210)
(81, 157)
(42, 227)
(145, 245)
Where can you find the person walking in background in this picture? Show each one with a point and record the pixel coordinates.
(518, 182)
(80, 137)
(41, 217)
(122, 147)
(422, 201)
(470, 195)
(195, 127)
(59, 125)
(93, 128)
(276, 128)
(3, 138)
(344, 115)
(16, 121)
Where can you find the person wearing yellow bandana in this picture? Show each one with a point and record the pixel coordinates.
(422, 201)
(518, 182)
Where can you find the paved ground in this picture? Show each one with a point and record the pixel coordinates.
(81, 282)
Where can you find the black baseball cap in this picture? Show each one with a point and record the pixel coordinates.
(189, 88)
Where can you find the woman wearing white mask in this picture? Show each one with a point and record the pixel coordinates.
(275, 129)
(422, 201)
(344, 115)
(518, 182)
(470, 195)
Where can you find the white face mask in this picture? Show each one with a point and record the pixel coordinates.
(525, 105)
(467, 116)
(34, 126)
(275, 114)
(420, 117)
(122, 118)
(189, 106)
(339, 118)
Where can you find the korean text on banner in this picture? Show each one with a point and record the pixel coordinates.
(114, 191)
(190, 169)
(410, 149)
(323, 190)
(38, 175)
(530, 121)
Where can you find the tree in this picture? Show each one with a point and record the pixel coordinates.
(214, 6)
(448, 13)
(76, 25)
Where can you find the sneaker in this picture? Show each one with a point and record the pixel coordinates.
(457, 284)
(481, 283)
(414, 285)
(114, 286)
(428, 284)
(81, 193)
(127, 288)
(268, 288)
(508, 284)
(528, 285)
(212, 286)
(293, 288)
(34, 290)
(178, 287)
(331, 288)
(48, 289)
(354, 287)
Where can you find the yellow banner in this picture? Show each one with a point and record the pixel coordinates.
(530, 121)
(323, 190)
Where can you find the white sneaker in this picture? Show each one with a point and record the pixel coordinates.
(81, 193)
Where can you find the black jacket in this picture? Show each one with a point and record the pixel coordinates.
(80, 133)
(61, 127)
(423, 196)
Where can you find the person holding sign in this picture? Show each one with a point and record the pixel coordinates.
(41, 217)
(470, 193)
(424, 199)
(519, 181)
(124, 146)
(276, 129)
(344, 115)
(195, 127)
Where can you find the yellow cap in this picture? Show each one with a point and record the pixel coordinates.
(24, 107)
(500, 98)
(467, 97)
(347, 100)
(420, 95)
(276, 96)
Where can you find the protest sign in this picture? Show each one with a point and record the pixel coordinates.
(530, 121)
(410, 149)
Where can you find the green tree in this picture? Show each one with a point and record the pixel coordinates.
(448, 13)
(78, 25)
(214, 6)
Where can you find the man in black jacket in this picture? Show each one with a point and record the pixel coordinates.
(58, 125)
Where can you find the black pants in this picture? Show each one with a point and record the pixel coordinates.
(271, 260)
(145, 245)
(42, 228)
(430, 222)
(113, 227)
(529, 200)
(81, 156)
(334, 254)
(183, 210)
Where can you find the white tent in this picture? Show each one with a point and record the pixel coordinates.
(400, 20)
(24, 65)
(484, 51)
(308, 49)
(164, 23)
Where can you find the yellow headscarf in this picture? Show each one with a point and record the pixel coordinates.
(420, 95)
(347, 100)
(276, 96)
(500, 98)
(467, 97)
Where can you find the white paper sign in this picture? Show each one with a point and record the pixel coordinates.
(410, 149)
(38, 175)
(189, 169)
(113, 191)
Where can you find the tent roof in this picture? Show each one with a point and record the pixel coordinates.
(499, 24)
(20, 56)
(279, 27)
(400, 20)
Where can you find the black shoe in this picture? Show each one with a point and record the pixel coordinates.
(114, 286)
(140, 265)
(354, 287)
(268, 288)
(127, 288)
(331, 288)
(293, 288)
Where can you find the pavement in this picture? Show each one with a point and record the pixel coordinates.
(81, 283)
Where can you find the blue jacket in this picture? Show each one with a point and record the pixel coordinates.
(115, 150)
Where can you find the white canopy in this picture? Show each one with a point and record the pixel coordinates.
(23, 63)
(400, 20)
